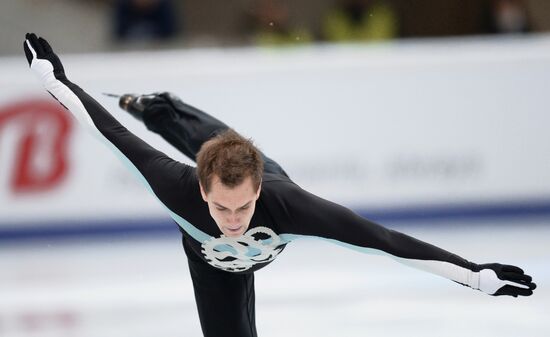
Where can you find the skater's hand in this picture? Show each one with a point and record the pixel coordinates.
(42, 60)
(498, 279)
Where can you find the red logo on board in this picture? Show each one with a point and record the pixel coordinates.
(43, 130)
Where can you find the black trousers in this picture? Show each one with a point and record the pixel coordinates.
(187, 128)
(225, 300)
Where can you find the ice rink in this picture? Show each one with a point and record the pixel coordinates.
(140, 287)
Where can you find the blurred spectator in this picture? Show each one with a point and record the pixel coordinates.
(144, 19)
(507, 16)
(269, 21)
(360, 20)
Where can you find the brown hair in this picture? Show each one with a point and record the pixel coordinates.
(232, 158)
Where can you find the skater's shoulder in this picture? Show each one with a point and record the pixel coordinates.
(274, 179)
(278, 185)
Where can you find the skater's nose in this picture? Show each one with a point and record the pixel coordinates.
(233, 220)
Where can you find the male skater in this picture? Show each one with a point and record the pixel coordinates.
(237, 210)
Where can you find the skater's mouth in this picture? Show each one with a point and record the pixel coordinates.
(234, 230)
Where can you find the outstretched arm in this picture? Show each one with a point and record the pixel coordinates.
(314, 216)
(162, 174)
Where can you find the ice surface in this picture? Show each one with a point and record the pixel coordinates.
(141, 287)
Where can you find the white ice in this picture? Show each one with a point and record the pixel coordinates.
(141, 288)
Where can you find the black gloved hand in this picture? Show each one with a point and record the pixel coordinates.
(42, 60)
(499, 279)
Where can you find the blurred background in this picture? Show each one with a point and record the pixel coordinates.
(114, 25)
(429, 117)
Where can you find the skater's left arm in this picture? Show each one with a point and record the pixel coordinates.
(172, 182)
(314, 216)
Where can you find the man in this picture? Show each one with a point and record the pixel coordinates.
(238, 209)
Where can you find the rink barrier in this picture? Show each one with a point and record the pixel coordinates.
(433, 215)
(441, 127)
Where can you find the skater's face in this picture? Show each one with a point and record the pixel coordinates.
(231, 207)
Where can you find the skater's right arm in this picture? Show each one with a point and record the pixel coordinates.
(161, 172)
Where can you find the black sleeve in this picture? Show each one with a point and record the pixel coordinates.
(174, 183)
(312, 216)
(168, 179)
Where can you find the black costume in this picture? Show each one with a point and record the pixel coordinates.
(222, 267)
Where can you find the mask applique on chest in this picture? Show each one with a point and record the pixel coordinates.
(258, 245)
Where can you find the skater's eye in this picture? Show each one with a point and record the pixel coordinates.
(245, 207)
(220, 207)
